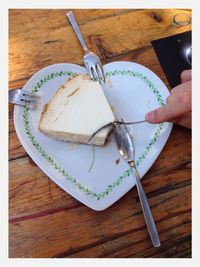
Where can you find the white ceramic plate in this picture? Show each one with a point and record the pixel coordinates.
(96, 176)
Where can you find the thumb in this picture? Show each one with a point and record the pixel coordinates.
(178, 103)
(158, 115)
(166, 113)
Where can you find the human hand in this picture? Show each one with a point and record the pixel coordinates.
(178, 107)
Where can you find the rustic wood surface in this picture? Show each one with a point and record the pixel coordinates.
(44, 221)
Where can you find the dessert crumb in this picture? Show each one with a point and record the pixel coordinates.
(117, 161)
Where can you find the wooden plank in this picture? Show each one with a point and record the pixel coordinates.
(129, 245)
(74, 230)
(36, 201)
(34, 45)
(26, 179)
(34, 23)
(16, 150)
(31, 191)
(23, 24)
(31, 18)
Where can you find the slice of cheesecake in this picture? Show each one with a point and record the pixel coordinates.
(76, 110)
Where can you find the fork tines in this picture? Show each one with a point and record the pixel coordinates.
(97, 74)
(27, 97)
(23, 97)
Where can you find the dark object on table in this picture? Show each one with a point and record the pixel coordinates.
(175, 55)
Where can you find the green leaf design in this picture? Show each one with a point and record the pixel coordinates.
(51, 161)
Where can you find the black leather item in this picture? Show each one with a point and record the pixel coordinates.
(174, 54)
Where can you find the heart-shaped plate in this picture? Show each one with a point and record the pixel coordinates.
(96, 176)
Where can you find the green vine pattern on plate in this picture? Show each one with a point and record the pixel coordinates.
(52, 162)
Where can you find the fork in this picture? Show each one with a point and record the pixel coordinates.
(91, 60)
(22, 97)
(112, 124)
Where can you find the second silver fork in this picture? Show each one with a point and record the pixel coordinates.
(22, 97)
(91, 60)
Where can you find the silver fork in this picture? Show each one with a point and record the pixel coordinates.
(22, 97)
(91, 60)
(112, 124)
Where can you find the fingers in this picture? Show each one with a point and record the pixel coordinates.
(177, 104)
(186, 75)
(185, 120)
(165, 113)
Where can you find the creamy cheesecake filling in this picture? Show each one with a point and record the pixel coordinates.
(79, 107)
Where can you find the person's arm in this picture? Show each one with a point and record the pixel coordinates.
(178, 107)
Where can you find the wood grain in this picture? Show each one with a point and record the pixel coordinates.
(36, 43)
(27, 34)
(38, 201)
(27, 179)
(44, 221)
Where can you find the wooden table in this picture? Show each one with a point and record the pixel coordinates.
(44, 221)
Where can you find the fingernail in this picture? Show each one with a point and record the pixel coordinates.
(150, 116)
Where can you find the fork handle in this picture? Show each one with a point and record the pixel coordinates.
(76, 29)
(146, 210)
